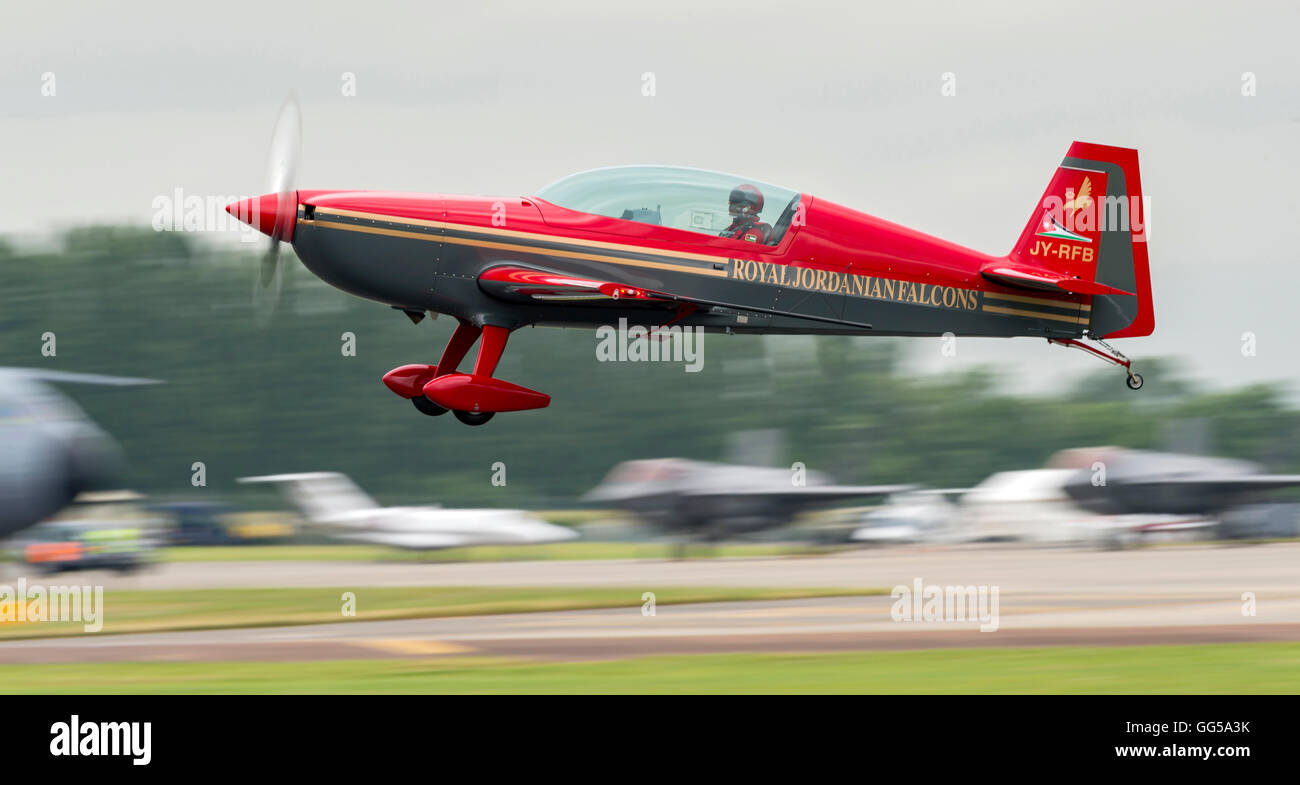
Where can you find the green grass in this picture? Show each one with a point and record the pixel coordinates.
(563, 551)
(193, 609)
(1222, 668)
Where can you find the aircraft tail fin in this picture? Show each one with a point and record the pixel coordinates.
(1088, 235)
(322, 496)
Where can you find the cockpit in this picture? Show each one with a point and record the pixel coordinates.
(694, 200)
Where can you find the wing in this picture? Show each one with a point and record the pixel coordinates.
(1222, 485)
(1194, 494)
(45, 375)
(531, 284)
(415, 541)
(809, 493)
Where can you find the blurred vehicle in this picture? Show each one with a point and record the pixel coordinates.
(333, 503)
(99, 531)
(216, 523)
(912, 516)
(714, 500)
(1028, 505)
(52, 450)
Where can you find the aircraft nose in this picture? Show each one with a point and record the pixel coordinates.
(271, 214)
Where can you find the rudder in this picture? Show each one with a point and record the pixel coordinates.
(1090, 229)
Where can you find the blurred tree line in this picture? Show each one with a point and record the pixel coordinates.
(247, 398)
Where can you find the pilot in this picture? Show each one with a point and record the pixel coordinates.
(744, 205)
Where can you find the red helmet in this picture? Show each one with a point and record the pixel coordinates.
(745, 200)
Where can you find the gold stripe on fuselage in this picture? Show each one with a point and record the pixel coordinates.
(492, 230)
(515, 247)
(1019, 298)
(545, 251)
(1035, 314)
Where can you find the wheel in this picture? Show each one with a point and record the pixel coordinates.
(427, 406)
(1134, 381)
(473, 418)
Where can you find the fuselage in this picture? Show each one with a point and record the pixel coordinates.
(840, 267)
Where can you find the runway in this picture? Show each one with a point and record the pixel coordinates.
(1046, 597)
(841, 624)
(1210, 568)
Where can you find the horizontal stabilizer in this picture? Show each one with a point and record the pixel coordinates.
(1026, 277)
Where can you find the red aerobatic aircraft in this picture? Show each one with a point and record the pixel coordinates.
(668, 246)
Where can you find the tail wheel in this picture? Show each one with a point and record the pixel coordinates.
(473, 418)
(1135, 381)
(427, 406)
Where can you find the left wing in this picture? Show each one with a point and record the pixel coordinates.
(808, 492)
(530, 284)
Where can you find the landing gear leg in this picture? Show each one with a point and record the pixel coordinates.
(457, 347)
(489, 354)
(452, 355)
(475, 397)
(1134, 380)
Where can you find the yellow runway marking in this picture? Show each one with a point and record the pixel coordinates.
(413, 647)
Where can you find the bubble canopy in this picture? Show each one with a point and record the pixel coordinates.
(694, 200)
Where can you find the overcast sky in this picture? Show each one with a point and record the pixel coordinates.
(842, 101)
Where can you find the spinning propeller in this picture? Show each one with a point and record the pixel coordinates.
(275, 212)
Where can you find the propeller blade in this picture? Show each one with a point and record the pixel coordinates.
(270, 264)
(281, 180)
(282, 165)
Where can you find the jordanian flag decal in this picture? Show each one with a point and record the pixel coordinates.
(1051, 228)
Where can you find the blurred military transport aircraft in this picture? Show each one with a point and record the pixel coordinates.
(714, 500)
(51, 450)
(338, 507)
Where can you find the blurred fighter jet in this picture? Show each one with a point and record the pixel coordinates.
(51, 450)
(335, 504)
(1100, 495)
(1112, 480)
(713, 500)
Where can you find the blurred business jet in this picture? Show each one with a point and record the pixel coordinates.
(335, 505)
